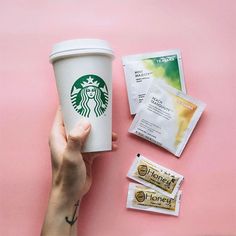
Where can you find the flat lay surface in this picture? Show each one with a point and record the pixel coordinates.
(205, 34)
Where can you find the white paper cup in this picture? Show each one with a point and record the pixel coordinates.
(83, 72)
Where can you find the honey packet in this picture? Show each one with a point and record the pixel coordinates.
(155, 176)
(167, 117)
(140, 69)
(147, 199)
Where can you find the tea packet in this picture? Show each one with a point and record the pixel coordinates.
(142, 68)
(155, 176)
(167, 117)
(147, 199)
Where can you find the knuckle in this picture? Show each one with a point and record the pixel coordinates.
(74, 138)
(69, 160)
(74, 142)
(51, 140)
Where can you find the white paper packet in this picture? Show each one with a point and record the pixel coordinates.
(140, 69)
(147, 199)
(155, 176)
(167, 117)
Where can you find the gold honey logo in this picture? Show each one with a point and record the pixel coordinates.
(153, 198)
(142, 170)
(140, 196)
(161, 179)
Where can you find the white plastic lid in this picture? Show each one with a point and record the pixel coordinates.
(80, 46)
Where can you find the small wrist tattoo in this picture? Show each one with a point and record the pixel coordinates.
(74, 217)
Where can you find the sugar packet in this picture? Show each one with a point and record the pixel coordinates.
(147, 199)
(155, 176)
(167, 117)
(140, 69)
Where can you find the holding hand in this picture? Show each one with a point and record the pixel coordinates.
(71, 176)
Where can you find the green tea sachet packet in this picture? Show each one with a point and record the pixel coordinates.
(167, 117)
(140, 69)
(147, 199)
(155, 176)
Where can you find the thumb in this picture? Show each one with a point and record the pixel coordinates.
(78, 135)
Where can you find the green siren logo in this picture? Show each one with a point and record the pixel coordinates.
(89, 95)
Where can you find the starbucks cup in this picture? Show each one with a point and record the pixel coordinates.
(83, 72)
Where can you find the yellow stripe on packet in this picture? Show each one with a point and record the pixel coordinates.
(155, 176)
(167, 117)
(147, 199)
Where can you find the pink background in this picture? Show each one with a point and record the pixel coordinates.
(204, 31)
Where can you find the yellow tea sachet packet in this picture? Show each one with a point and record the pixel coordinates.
(167, 117)
(155, 176)
(147, 199)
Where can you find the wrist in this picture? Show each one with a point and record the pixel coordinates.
(66, 188)
(61, 201)
(62, 214)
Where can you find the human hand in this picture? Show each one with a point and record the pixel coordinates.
(71, 173)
